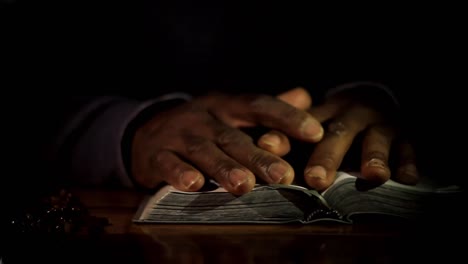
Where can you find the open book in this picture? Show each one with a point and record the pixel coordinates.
(345, 202)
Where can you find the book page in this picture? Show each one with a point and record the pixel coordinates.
(265, 204)
(392, 198)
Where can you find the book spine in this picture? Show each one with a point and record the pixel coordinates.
(323, 213)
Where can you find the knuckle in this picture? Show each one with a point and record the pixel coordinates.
(264, 104)
(376, 155)
(381, 143)
(221, 169)
(327, 160)
(228, 136)
(292, 114)
(178, 169)
(158, 157)
(338, 128)
(158, 162)
(258, 159)
(197, 145)
(260, 103)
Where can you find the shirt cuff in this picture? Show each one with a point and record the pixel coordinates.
(359, 85)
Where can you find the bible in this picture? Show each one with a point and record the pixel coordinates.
(348, 200)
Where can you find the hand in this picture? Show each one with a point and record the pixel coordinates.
(349, 115)
(202, 138)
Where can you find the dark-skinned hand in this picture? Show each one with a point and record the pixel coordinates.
(348, 116)
(202, 139)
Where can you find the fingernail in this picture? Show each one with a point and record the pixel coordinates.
(270, 140)
(237, 177)
(317, 172)
(312, 129)
(189, 178)
(376, 163)
(278, 171)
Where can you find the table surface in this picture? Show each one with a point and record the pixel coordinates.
(126, 242)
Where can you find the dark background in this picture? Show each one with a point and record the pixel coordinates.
(192, 45)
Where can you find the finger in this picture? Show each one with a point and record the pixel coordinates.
(263, 164)
(272, 113)
(327, 110)
(204, 154)
(407, 171)
(328, 154)
(275, 142)
(278, 143)
(297, 97)
(176, 172)
(280, 116)
(375, 153)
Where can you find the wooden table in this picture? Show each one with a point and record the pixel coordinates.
(125, 242)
